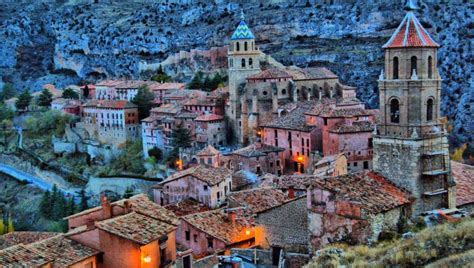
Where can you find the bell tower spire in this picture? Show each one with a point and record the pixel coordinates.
(410, 5)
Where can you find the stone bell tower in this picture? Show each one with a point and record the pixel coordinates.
(410, 144)
(244, 60)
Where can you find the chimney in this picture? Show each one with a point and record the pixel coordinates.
(127, 206)
(291, 192)
(231, 216)
(106, 207)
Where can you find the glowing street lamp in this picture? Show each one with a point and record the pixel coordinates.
(147, 259)
(179, 164)
(299, 163)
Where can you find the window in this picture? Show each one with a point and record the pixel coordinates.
(325, 121)
(429, 110)
(371, 143)
(195, 238)
(355, 164)
(250, 62)
(237, 46)
(209, 161)
(283, 91)
(205, 187)
(209, 242)
(395, 68)
(413, 64)
(366, 164)
(246, 46)
(430, 67)
(394, 111)
(187, 234)
(243, 63)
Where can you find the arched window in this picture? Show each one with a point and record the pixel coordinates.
(243, 63)
(246, 46)
(237, 46)
(413, 65)
(394, 111)
(283, 92)
(395, 68)
(250, 62)
(430, 67)
(429, 109)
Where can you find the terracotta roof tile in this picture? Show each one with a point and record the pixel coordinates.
(294, 119)
(22, 256)
(207, 174)
(257, 149)
(136, 227)
(310, 73)
(186, 207)
(217, 224)
(209, 117)
(273, 73)
(258, 199)
(209, 150)
(464, 177)
(15, 238)
(63, 251)
(374, 193)
(358, 126)
(410, 33)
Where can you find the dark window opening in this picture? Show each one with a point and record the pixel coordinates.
(209, 242)
(413, 64)
(243, 63)
(245, 46)
(430, 67)
(394, 111)
(250, 62)
(187, 235)
(237, 45)
(429, 110)
(395, 68)
(366, 164)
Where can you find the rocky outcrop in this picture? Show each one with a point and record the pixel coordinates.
(62, 42)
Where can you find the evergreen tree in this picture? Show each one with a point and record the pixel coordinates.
(83, 205)
(128, 192)
(207, 84)
(45, 98)
(196, 82)
(144, 101)
(161, 76)
(5, 112)
(23, 100)
(86, 92)
(216, 81)
(10, 224)
(156, 153)
(69, 93)
(70, 207)
(7, 92)
(45, 205)
(59, 207)
(181, 137)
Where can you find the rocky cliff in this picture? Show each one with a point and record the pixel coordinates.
(62, 42)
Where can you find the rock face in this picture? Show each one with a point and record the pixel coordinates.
(62, 42)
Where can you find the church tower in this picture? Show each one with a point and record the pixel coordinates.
(244, 60)
(410, 144)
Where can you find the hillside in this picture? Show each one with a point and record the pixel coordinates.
(63, 42)
(446, 245)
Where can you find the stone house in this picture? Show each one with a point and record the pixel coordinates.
(258, 158)
(210, 129)
(283, 227)
(215, 231)
(160, 89)
(205, 184)
(332, 165)
(354, 208)
(132, 232)
(105, 90)
(209, 156)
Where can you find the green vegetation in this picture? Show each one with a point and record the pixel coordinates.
(207, 83)
(161, 76)
(6, 113)
(45, 98)
(156, 153)
(8, 227)
(51, 121)
(144, 101)
(7, 92)
(69, 93)
(24, 100)
(54, 206)
(129, 162)
(427, 246)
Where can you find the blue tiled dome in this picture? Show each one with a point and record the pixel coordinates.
(242, 32)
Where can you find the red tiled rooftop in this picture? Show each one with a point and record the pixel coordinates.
(186, 207)
(258, 199)
(210, 175)
(23, 256)
(108, 83)
(410, 33)
(273, 73)
(209, 117)
(136, 227)
(464, 177)
(15, 238)
(209, 150)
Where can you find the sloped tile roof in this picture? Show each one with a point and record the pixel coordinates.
(15, 238)
(242, 32)
(257, 149)
(464, 177)
(410, 33)
(310, 73)
(209, 117)
(186, 207)
(136, 227)
(210, 175)
(373, 192)
(209, 150)
(217, 224)
(22, 256)
(358, 126)
(295, 119)
(273, 73)
(258, 199)
(63, 251)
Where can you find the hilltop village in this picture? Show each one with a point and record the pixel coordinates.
(266, 168)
